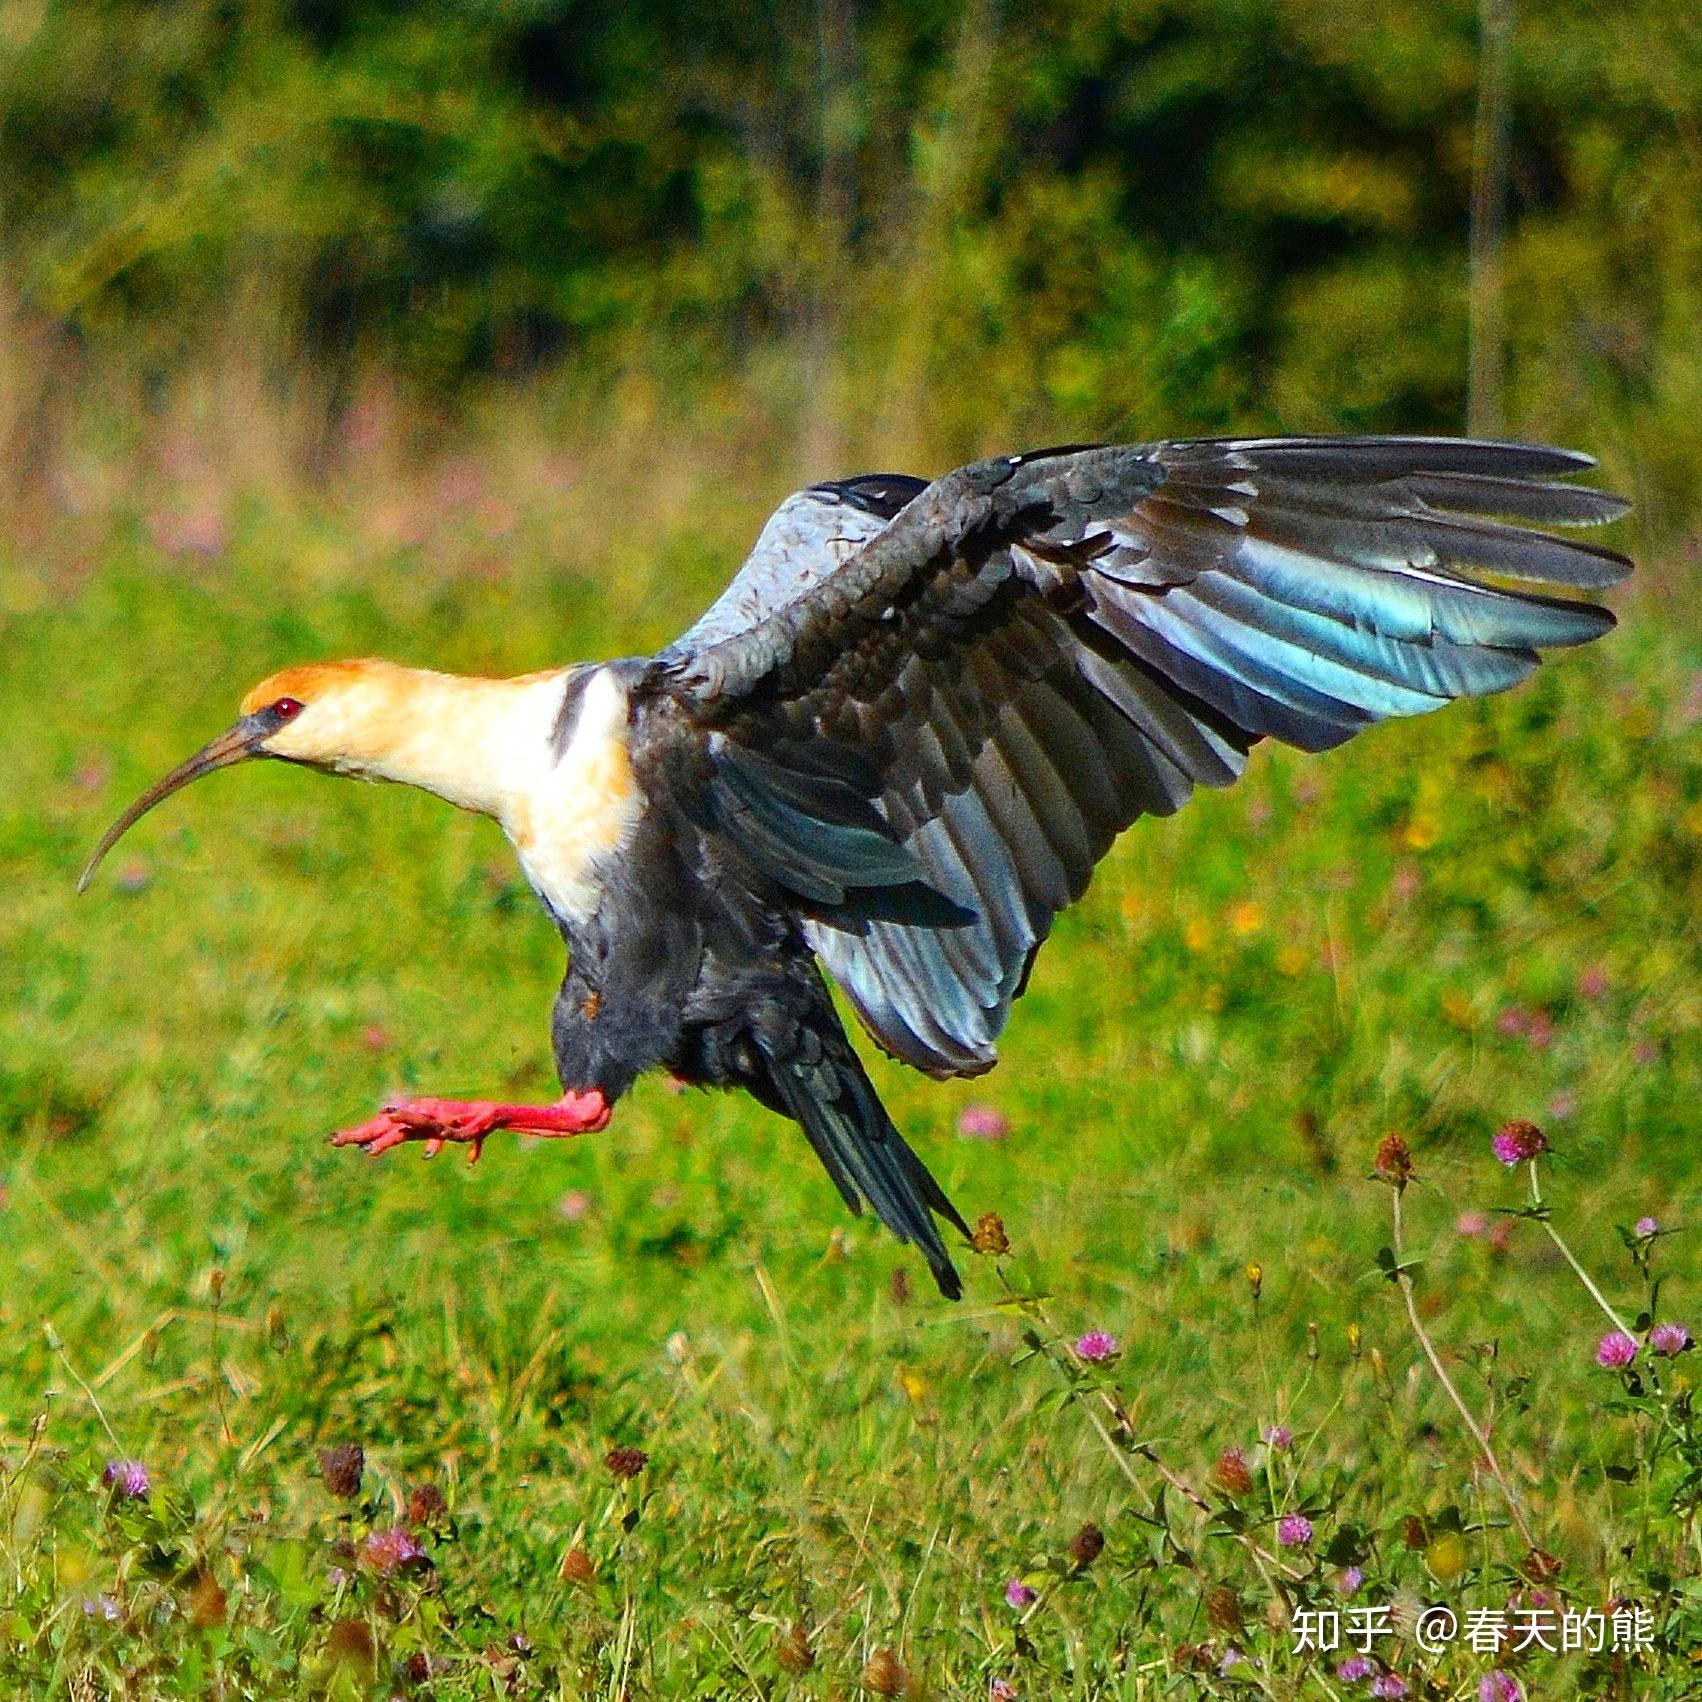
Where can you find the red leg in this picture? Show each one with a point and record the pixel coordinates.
(437, 1121)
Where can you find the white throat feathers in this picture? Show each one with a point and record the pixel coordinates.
(579, 811)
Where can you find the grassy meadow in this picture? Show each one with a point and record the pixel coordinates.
(1488, 915)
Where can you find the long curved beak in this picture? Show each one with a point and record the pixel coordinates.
(239, 743)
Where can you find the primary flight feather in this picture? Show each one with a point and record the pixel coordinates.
(902, 737)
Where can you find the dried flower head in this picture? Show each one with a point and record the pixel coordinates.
(899, 1286)
(205, 1601)
(1096, 1347)
(1669, 1338)
(1415, 1533)
(1518, 1142)
(127, 1479)
(793, 1651)
(1086, 1546)
(990, 1235)
(626, 1463)
(342, 1468)
(1616, 1350)
(884, 1674)
(1230, 1473)
(1294, 1530)
(1018, 1595)
(350, 1643)
(1394, 1160)
(1540, 1566)
(577, 1567)
(427, 1504)
(1223, 1608)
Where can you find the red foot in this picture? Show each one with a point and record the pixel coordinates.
(437, 1121)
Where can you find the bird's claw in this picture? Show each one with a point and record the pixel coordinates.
(435, 1122)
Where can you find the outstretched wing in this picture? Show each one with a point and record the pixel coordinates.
(930, 732)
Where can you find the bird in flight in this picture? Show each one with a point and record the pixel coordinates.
(899, 741)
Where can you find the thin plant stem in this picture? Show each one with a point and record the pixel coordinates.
(1116, 1453)
(77, 1377)
(218, 1362)
(1404, 1283)
(12, 1490)
(1259, 1349)
(1647, 1454)
(1263, 1560)
(1567, 1254)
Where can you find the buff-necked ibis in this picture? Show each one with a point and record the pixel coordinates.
(899, 741)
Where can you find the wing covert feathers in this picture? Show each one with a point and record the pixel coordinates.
(1030, 653)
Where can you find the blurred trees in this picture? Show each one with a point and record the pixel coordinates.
(909, 219)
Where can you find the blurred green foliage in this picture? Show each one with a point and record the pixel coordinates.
(927, 225)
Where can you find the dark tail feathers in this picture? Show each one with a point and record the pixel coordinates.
(822, 1084)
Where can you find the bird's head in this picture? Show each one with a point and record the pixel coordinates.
(335, 715)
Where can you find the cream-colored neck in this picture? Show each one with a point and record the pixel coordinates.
(482, 744)
(485, 745)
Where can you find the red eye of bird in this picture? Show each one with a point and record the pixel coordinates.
(287, 708)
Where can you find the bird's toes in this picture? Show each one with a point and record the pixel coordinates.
(376, 1135)
(420, 1113)
(394, 1135)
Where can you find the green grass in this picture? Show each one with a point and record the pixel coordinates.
(1251, 997)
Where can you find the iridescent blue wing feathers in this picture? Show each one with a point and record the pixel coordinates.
(1008, 666)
